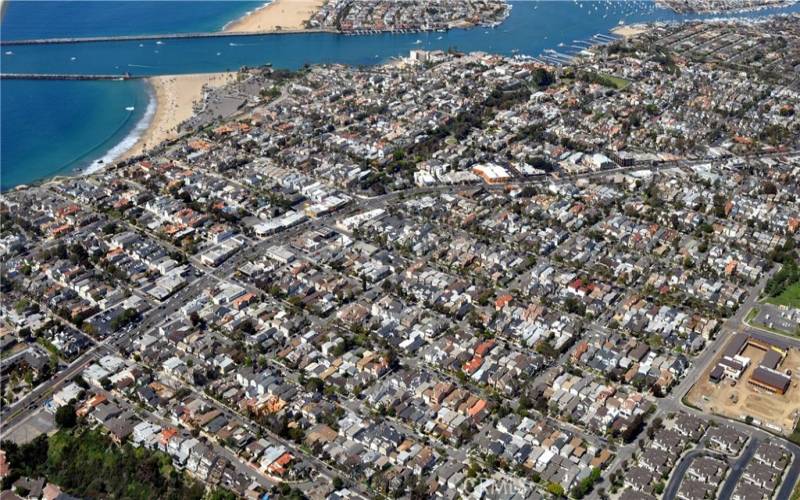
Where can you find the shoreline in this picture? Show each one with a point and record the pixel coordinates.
(144, 137)
(120, 149)
(173, 99)
(276, 16)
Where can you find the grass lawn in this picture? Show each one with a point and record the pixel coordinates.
(789, 297)
(619, 83)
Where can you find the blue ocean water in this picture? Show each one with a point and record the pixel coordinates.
(57, 127)
(52, 127)
(56, 19)
(27, 155)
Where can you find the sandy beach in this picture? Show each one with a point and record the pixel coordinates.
(276, 16)
(175, 97)
(629, 31)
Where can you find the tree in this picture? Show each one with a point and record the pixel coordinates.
(88, 464)
(315, 385)
(633, 429)
(221, 494)
(66, 417)
(337, 483)
(555, 489)
(247, 327)
(21, 305)
(82, 383)
(542, 77)
(584, 487)
(26, 456)
(128, 316)
(575, 306)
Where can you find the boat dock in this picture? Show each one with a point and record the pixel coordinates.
(161, 37)
(43, 76)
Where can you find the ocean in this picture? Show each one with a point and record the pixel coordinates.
(54, 19)
(57, 127)
(52, 127)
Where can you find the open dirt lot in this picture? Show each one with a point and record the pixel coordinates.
(741, 399)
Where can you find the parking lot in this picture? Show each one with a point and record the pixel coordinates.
(777, 318)
(42, 421)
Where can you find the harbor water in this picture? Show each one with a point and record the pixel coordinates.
(58, 127)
